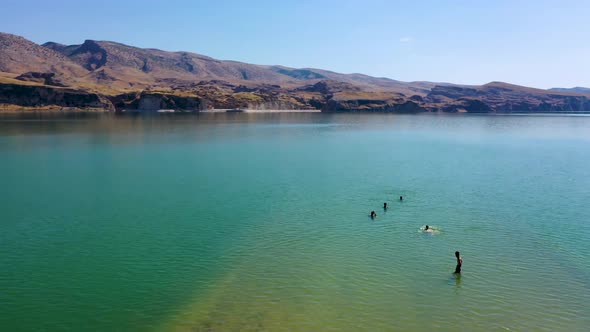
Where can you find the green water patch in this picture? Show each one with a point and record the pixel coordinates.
(252, 222)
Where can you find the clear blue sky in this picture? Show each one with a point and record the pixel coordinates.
(536, 43)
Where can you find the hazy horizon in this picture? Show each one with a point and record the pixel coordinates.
(536, 44)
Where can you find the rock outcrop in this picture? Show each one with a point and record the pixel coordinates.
(31, 96)
(151, 102)
(43, 78)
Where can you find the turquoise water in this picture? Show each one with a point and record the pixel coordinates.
(259, 222)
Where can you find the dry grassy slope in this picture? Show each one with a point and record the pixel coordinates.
(160, 68)
(507, 87)
(499, 90)
(121, 66)
(504, 97)
(379, 84)
(18, 56)
(8, 78)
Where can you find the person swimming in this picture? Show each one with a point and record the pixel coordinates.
(384, 206)
(429, 229)
(401, 198)
(459, 262)
(373, 215)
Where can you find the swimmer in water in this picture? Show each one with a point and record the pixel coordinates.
(459, 262)
(384, 206)
(429, 230)
(373, 214)
(401, 198)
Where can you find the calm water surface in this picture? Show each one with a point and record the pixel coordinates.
(258, 222)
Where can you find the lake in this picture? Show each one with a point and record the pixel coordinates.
(259, 222)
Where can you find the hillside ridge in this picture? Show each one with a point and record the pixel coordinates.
(124, 75)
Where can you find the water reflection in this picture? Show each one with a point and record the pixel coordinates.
(134, 128)
(457, 278)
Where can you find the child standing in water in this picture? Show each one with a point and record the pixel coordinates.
(459, 262)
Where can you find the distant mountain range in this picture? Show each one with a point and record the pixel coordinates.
(578, 89)
(114, 76)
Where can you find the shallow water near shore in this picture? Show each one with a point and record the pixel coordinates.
(259, 222)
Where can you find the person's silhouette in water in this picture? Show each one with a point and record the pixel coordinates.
(459, 262)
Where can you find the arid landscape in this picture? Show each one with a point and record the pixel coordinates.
(104, 75)
(294, 166)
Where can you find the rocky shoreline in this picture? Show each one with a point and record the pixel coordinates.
(492, 98)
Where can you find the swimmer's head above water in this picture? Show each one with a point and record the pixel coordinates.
(426, 228)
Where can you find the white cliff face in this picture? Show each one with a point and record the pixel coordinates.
(273, 105)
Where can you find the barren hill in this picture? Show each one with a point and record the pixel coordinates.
(119, 76)
(152, 67)
(19, 56)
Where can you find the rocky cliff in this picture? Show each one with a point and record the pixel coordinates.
(31, 96)
(150, 102)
